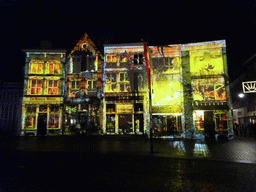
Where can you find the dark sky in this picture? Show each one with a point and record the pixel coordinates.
(24, 23)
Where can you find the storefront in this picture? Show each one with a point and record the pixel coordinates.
(42, 116)
(82, 116)
(124, 118)
(166, 124)
(205, 117)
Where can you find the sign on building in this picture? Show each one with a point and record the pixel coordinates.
(249, 87)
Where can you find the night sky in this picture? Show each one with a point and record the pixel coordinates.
(24, 23)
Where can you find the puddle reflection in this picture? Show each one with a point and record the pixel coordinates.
(201, 150)
(190, 149)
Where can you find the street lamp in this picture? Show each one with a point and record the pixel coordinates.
(241, 95)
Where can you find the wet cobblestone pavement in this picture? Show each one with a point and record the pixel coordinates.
(237, 150)
(96, 164)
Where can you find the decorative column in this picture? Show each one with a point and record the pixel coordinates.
(188, 99)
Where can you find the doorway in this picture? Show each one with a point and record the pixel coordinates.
(42, 124)
(138, 123)
(125, 123)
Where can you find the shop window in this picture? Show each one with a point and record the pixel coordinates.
(111, 107)
(54, 121)
(138, 59)
(53, 87)
(53, 67)
(30, 121)
(166, 124)
(75, 84)
(138, 107)
(91, 85)
(199, 120)
(110, 123)
(36, 67)
(35, 87)
(43, 108)
(221, 121)
(30, 108)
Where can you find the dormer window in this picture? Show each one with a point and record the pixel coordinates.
(138, 59)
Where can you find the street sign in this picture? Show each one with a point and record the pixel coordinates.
(249, 87)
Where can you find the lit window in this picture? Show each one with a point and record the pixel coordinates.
(75, 85)
(30, 121)
(110, 82)
(35, 87)
(124, 82)
(111, 58)
(53, 87)
(91, 85)
(36, 67)
(53, 67)
(123, 77)
(54, 121)
(110, 78)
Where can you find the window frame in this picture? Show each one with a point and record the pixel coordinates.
(53, 87)
(31, 87)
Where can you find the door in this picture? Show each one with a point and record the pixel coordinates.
(125, 123)
(138, 123)
(41, 124)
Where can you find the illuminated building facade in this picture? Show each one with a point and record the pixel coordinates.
(42, 105)
(125, 105)
(83, 87)
(190, 89)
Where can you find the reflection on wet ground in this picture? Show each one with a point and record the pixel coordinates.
(125, 165)
(237, 150)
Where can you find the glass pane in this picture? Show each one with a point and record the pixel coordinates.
(56, 68)
(39, 83)
(33, 91)
(125, 76)
(122, 87)
(43, 108)
(51, 68)
(50, 83)
(94, 84)
(89, 84)
(33, 83)
(54, 121)
(56, 83)
(73, 84)
(121, 76)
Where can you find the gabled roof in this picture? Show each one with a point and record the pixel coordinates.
(89, 44)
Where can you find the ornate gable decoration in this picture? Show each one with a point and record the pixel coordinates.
(86, 44)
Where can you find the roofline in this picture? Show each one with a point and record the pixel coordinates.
(124, 45)
(44, 50)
